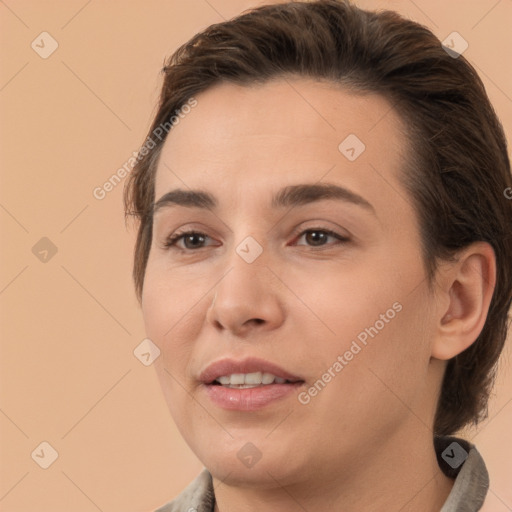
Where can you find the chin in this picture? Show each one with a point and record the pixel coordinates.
(243, 463)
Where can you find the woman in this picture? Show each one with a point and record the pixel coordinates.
(323, 259)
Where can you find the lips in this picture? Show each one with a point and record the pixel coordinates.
(249, 365)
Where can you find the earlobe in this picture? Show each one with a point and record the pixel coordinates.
(469, 286)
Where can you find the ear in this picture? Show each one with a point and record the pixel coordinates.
(466, 290)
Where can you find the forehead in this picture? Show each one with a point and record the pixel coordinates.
(258, 138)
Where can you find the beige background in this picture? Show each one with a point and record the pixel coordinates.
(69, 325)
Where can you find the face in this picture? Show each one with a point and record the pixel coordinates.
(326, 284)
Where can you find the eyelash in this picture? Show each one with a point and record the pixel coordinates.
(172, 240)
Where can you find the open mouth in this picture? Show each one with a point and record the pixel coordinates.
(251, 391)
(251, 380)
(249, 386)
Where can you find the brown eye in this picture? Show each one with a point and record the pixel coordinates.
(191, 240)
(318, 237)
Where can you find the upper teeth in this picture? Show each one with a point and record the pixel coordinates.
(256, 378)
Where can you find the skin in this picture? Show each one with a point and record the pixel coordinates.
(365, 441)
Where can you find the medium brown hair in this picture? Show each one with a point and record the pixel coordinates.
(458, 168)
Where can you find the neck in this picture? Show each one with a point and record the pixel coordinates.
(401, 475)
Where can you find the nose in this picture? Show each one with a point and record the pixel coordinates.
(248, 298)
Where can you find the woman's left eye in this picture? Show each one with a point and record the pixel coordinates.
(316, 236)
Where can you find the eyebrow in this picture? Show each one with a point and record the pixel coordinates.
(289, 196)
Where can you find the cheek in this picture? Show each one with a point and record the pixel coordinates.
(166, 309)
(386, 361)
(376, 384)
(155, 303)
(166, 300)
(342, 301)
(164, 313)
(376, 318)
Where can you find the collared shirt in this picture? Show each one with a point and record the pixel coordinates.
(457, 458)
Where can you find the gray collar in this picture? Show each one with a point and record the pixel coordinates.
(460, 459)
